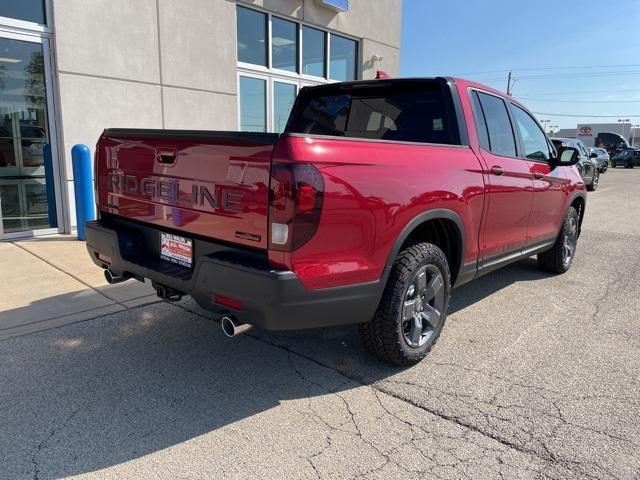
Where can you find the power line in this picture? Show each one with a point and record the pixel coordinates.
(589, 116)
(566, 75)
(577, 101)
(573, 67)
(584, 92)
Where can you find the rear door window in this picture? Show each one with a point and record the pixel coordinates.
(420, 111)
(481, 125)
(501, 138)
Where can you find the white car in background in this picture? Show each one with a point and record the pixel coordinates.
(602, 157)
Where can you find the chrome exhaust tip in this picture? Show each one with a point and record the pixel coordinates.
(232, 327)
(112, 278)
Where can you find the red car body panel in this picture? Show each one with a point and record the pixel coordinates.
(372, 191)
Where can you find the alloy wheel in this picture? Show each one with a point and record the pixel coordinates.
(423, 306)
(569, 241)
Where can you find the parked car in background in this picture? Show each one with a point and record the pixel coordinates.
(602, 157)
(627, 157)
(588, 167)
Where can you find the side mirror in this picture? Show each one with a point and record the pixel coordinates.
(567, 156)
(593, 155)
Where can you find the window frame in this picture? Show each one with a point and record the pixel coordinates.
(273, 81)
(329, 37)
(272, 74)
(267, 106)
(24, 26)
(298, 46)
(521, 150)
(516, 137)
(298, 75)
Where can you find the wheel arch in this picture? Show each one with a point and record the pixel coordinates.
(442, 227)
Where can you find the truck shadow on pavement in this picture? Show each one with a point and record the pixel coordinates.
(96, 394)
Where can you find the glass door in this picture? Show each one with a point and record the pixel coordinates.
(27, 202)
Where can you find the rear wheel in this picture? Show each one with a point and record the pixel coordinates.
(413, 308)
(559, 258)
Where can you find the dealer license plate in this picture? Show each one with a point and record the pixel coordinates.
(176, 249)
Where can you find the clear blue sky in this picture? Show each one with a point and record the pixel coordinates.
(599, 40)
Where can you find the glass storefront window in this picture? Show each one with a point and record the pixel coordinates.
(24, 133)
(284, 94)
(284, 45)
(279, 56)
(27, 10)
(252, 36)
(313, 52)
(344, 52)
(253, 104)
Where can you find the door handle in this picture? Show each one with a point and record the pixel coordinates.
(537, 175)
(497, 170)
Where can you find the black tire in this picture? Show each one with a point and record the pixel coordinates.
(389, 333)
(558, 259)
(627, 164)
(595, 178)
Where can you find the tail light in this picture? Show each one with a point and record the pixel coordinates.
(295, 205)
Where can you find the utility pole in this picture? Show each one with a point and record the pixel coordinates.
(509, 83)
(544, 124)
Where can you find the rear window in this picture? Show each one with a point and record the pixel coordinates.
(420, 111)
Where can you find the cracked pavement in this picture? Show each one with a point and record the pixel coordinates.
(535, 376)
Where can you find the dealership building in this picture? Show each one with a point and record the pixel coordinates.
(71, 68)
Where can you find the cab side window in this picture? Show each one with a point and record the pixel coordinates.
(534, 140)
(478, 117)
(501, 138)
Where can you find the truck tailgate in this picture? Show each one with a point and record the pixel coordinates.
(212, 184)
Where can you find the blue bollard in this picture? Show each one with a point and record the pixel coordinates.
(49, 184)
(83, 187)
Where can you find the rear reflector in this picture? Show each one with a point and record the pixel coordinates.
(104, 258)
(228, 302)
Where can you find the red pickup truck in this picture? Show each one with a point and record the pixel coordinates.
(377, 200)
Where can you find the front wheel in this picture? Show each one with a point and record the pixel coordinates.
(413, 308)
(559, 258)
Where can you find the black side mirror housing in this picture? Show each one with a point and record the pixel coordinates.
(567, 156)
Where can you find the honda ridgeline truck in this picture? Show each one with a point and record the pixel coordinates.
(378, 199)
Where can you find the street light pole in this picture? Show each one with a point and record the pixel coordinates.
(622, 121)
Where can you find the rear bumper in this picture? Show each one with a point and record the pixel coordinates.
(271, 299)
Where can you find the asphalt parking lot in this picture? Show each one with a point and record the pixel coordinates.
(535, 376)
